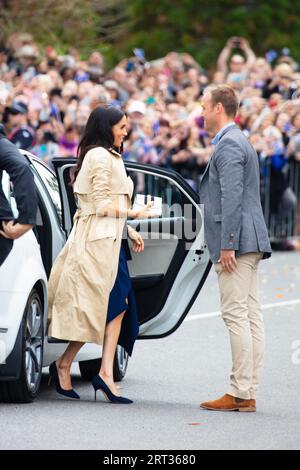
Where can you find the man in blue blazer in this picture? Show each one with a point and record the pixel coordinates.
(13, 162)
(237, 239)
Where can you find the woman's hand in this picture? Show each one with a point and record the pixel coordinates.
(144, 213)
(138, 242)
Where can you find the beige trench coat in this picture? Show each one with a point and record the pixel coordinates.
(84, 273)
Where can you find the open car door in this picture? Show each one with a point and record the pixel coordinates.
(168, 276)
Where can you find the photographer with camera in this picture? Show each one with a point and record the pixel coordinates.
(238, 65)
(46, 146)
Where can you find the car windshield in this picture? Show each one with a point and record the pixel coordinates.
(51, 183)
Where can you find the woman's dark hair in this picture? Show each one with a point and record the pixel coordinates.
(98, 132)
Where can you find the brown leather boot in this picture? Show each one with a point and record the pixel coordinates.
(230, 403)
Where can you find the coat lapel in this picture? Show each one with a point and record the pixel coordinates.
(207, 166)
(213, 154)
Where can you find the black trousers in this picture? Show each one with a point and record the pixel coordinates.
(5, 247)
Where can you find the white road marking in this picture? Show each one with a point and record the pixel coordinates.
(201, 316)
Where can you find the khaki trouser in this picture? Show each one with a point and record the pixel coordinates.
(242, 315)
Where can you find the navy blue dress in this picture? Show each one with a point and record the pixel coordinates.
(121, 291)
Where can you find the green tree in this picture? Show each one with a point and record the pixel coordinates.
(86, 25)
(203, 27)
(159, 26)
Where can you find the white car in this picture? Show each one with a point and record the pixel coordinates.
(167, 276)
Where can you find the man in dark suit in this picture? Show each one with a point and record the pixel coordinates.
(237, 240)
(13, 162)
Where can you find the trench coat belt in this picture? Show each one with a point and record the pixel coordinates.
(83, 211)
(88, 208)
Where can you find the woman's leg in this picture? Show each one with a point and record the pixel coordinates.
(111, 336)
(64, 364)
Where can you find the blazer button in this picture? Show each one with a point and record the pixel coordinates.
(232, 235)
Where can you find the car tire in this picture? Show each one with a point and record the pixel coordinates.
(89, 369)
(26, 388)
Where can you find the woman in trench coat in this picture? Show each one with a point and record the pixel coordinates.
(85, 273)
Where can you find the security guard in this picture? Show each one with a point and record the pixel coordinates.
(21, 176)
(22, 135)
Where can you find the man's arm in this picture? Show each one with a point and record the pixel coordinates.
(250, 55)
(230, 162)
(224, 56)
(21, 176)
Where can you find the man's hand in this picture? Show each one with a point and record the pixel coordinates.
(228, 261)
(244, 45)
(13, 231)
(229, 43)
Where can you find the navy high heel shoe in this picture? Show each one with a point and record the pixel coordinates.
(54, 376)
(99, 384)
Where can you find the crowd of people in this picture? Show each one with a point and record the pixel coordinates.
(45, 100)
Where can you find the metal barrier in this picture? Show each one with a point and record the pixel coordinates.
(281, 226)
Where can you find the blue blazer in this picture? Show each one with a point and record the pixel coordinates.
(230, 192)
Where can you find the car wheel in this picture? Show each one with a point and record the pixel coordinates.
(89, 369)
(26, 388)
(120, 364)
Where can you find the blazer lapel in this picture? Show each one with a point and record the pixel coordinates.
(208, 165)
(225, 132)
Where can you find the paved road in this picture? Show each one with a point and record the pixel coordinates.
(169, 378)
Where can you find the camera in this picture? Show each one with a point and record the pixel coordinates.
(236, 42)
(49, 137)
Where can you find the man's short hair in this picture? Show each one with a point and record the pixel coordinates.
(226, 95)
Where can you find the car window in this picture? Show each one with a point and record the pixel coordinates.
(158, 186)
(51, 183)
